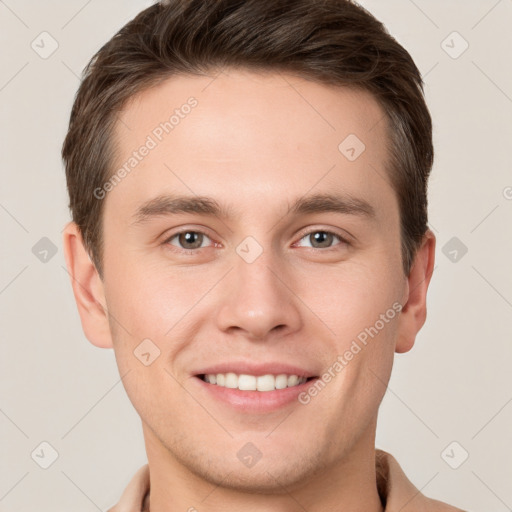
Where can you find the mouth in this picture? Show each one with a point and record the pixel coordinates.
(259, 383)
(254, 394)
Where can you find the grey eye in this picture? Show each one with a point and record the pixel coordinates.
(321, 239)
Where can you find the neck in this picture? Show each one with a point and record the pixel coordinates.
(349, 483)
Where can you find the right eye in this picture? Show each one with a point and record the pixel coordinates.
(188, 240)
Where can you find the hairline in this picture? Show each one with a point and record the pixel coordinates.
(390, 165)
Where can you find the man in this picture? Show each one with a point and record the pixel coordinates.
(247, 181)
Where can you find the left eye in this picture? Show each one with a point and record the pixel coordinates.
(189, 239)
(321, 239)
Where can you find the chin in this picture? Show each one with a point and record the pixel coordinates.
(259, 473)
(269, 479)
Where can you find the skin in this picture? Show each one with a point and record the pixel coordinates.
(255, 142)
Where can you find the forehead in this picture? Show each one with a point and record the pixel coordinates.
(244, 135)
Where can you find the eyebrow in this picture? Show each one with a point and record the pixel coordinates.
(319, 203)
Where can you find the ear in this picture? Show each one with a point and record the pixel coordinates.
(87, 288)
(414, 310)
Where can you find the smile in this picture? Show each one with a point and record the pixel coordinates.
(245, 382)
(251, 394)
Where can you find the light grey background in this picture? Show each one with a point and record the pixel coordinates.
(455, 385)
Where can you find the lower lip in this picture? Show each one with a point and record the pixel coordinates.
(255, 401)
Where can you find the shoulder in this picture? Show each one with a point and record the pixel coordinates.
(399, 493)
(135, 496)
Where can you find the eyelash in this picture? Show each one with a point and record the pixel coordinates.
(342, 239)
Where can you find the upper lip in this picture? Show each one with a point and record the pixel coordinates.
(257, 369)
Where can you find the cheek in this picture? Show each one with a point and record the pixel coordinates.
(153, 316)
(365, 319)
(150, 302)
(146, 314)
(351, 298)
(362, 310)
(359, 305)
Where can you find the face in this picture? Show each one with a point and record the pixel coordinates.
(289, 265)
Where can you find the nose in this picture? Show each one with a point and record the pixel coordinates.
(258, 300)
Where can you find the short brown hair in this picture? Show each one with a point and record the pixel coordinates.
(329, 41)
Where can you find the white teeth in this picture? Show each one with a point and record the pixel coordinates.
(292, 380)
(231, 380)
(281, 381)
(254, 383)
(266, 383)
(247, 382)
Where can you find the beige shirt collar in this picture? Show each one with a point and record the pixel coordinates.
(395, 490)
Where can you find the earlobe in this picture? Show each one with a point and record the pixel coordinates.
(414, 310)
(87, 288)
